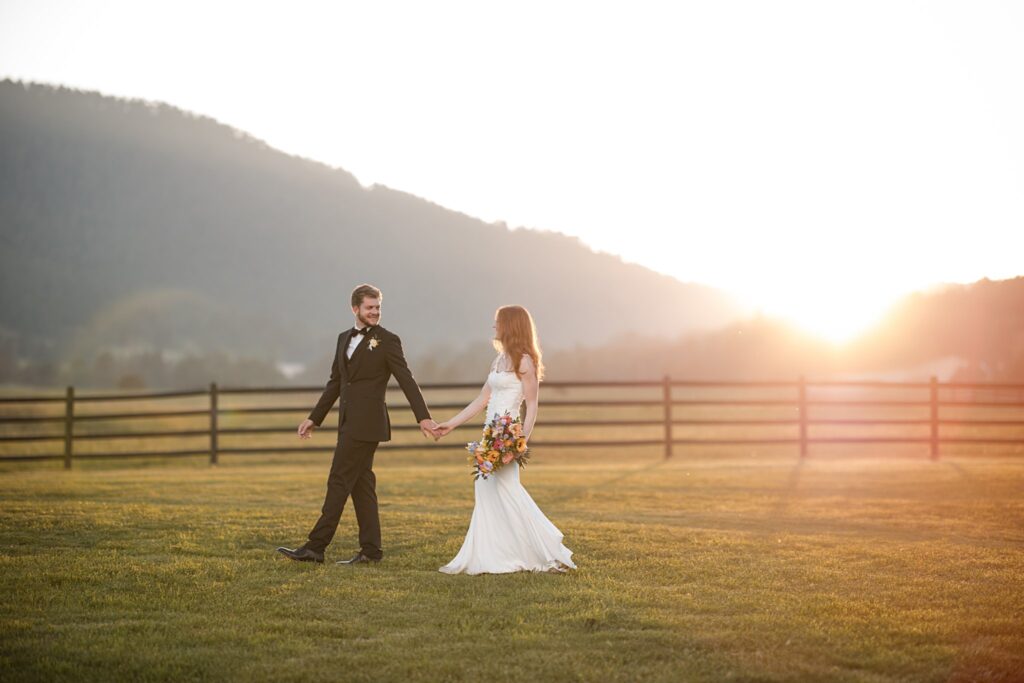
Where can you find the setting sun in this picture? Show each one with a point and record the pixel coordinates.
(836, 313)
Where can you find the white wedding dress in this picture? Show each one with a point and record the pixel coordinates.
(508, 532)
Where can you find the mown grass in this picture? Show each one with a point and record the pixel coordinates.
(753, 567)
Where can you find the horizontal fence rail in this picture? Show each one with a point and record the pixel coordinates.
(667, 414)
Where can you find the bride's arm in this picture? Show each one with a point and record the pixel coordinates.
(531, 393)
(469, 411)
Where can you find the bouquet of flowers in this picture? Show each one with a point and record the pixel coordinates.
(502, 442)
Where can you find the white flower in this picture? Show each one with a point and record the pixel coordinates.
(373, 343)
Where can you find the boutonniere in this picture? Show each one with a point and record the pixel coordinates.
(373, 343)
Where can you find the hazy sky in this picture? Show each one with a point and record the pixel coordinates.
(816, 158)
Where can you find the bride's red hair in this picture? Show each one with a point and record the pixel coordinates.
(517, 337)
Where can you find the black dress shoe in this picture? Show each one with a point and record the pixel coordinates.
(359, 558)
(302, 554)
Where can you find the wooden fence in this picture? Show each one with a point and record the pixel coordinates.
(666, 412)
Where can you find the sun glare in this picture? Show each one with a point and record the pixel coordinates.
(835, 314)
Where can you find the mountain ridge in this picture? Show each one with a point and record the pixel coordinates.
(113, 204)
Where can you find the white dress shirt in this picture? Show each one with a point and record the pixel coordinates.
(353, 343)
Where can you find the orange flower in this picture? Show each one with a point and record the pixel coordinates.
(520, 444)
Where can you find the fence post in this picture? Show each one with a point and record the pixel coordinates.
(69, 426)
(213, 423)
(935, 417)
(803, 416)
(666, 394)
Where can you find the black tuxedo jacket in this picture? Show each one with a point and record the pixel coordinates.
(361, 382)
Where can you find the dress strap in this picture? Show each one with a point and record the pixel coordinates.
(502, 363)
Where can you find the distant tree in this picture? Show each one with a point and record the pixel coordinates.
(105, 369)
(151, 366)
(40, 373)
(131, 381)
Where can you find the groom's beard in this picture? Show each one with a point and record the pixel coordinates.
(366, 322)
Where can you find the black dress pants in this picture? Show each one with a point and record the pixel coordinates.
(351, 474)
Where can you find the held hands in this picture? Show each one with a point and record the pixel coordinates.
(433, 430)
(306, 429)
(429, 429)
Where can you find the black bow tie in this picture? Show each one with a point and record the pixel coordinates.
(365, 330)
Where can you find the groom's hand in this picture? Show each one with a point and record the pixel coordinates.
(306, 429)
(429, 428)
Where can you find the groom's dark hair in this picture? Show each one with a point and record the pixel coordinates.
(363, 291)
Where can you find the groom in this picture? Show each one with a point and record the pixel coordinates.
(364, 358)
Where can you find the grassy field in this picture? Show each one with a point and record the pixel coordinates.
(752, 567)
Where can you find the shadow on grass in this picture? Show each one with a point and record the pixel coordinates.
(787, 492)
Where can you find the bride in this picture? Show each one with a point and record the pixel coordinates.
(508, 532)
